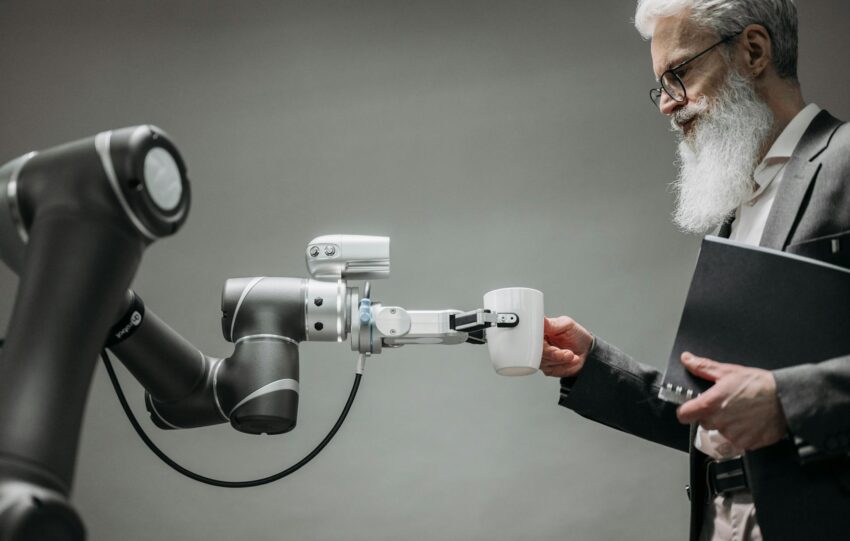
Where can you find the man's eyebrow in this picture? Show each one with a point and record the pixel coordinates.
(679, 58)
(669, 65)
(666, 68)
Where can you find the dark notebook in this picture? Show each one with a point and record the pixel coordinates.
(758, 307)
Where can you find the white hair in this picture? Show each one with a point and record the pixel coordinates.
(726, 17)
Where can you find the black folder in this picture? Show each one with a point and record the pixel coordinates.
(758, 307)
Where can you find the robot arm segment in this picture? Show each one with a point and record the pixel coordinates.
(74, 222)
(255, 388)
(177, 376)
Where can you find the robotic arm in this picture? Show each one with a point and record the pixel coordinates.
(74, 222)
(256, 387)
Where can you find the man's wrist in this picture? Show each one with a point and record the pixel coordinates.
(568, 382)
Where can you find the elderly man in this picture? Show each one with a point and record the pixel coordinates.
(768, 448)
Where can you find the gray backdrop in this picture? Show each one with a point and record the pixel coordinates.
(497, 143)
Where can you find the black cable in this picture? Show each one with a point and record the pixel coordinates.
(216, 482)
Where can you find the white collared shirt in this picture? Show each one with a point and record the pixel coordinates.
(750, 219)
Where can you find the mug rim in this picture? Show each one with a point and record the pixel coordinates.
(513, 289)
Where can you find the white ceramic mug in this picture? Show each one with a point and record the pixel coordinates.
(516, 351)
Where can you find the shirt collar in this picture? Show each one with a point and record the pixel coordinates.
(782, 149)
(784, 145)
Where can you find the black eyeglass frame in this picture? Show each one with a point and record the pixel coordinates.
(655, 93)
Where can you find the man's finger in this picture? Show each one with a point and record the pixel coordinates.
(556, 326)
(702, 407)
(704, 368)
(557, 355)
(694, 410)
(548, 327)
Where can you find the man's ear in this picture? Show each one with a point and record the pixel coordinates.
(757, 48)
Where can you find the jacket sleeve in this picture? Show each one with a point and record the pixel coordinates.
(615, 390)
(816, 402)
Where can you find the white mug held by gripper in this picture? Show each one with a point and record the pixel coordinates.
(516, 351)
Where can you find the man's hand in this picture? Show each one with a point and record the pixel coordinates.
(742, 404)
(565, 347)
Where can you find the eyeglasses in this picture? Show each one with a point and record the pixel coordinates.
(671, 82)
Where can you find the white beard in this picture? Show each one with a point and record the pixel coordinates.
(718, 157)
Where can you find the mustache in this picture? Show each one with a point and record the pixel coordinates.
(686, 114)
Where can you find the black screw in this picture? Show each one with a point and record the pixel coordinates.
(318, 301)
(319, 326)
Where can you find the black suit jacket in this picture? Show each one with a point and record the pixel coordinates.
(801, 486)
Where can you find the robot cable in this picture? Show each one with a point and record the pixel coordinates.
(217, 482)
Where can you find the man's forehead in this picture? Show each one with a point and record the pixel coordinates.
(674, 39)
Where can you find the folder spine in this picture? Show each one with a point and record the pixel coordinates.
(676, 393)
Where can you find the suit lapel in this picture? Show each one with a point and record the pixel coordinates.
(783, 214)
(799, 173)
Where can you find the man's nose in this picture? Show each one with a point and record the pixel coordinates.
(668, 105)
